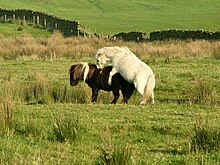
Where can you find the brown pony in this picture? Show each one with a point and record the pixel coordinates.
(98, 79)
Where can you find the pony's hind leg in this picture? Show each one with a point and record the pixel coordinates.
(143, 102)
(152, 97)
(148, 90)
(127, 91)
(145, 99)
(116, 96)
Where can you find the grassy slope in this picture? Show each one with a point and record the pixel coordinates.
(115, 16)
(10, 30)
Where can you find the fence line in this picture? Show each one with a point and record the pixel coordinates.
(68, 28)
(73, 28)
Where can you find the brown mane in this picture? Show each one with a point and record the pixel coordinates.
(92, 69)
(77, 70)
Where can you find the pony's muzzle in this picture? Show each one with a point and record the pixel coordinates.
(73, 83)
(99, 66)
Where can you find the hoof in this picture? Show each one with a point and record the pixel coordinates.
(142, 102)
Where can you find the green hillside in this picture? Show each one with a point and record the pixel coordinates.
(9, 30)
(113, 17)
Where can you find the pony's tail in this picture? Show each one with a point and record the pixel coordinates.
(149, 90)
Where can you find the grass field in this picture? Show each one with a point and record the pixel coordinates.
(46, 121)
(113, 17)
(158, 134)
(12, 30)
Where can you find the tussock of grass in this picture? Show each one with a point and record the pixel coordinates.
(202, 92)
(38, 89)
(204, 138)
(26, 128)
(7, 107)
(216, 51)
(6, 113)
(112, 154)
(65, 127)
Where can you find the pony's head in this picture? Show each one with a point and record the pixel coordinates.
(107, 54)
(102, 57)
(76, 73)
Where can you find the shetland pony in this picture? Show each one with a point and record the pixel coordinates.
(131, 69)
(98, 79)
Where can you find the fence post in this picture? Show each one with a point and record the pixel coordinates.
(24, 19)
(13, 17)
(45, 22)
(5, 17)
(38, 20)
(34, 20)
(55, 25)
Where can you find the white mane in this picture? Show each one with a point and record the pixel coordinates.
(85, 67)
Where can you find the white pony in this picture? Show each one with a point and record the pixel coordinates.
(130, 67)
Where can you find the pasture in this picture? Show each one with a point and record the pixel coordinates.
(12, 30)
(111, 17)
(46, 121)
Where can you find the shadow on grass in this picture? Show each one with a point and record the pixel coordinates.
(169, 151)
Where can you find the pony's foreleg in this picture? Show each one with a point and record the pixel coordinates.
(113, 71)
(95, 93)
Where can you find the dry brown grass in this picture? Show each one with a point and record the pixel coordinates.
(56, 47)
(6, 108)
(202, 92)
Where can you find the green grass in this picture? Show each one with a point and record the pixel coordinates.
(11, 30)
(44, 120)
(158, 134)
(113, 17)
(65, 133)
(173, 84)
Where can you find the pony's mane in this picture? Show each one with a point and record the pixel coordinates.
(92, 68)
(85, 68)
(80, 70)
(118, 48)
(113, 49)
